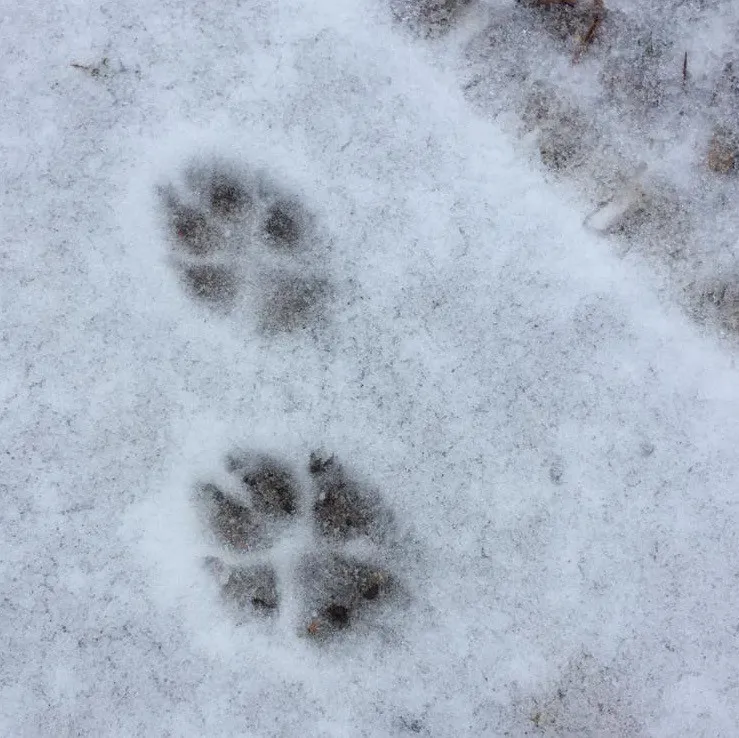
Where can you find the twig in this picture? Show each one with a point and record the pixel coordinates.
(94, 70)
(685, 68)
(587, 39)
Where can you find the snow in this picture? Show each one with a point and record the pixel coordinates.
(555, 436)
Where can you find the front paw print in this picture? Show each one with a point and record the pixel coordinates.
(322, 539)
(237, 242)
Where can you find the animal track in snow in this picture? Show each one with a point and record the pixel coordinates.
(237, 241)
(315, 540)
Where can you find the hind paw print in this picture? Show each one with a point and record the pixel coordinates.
(320, 541)
(237, 242)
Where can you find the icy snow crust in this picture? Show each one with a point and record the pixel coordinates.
(557, 446)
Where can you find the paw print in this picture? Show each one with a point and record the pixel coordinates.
(320, 536)
(236, 241)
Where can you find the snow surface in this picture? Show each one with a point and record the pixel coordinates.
(558, 442)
